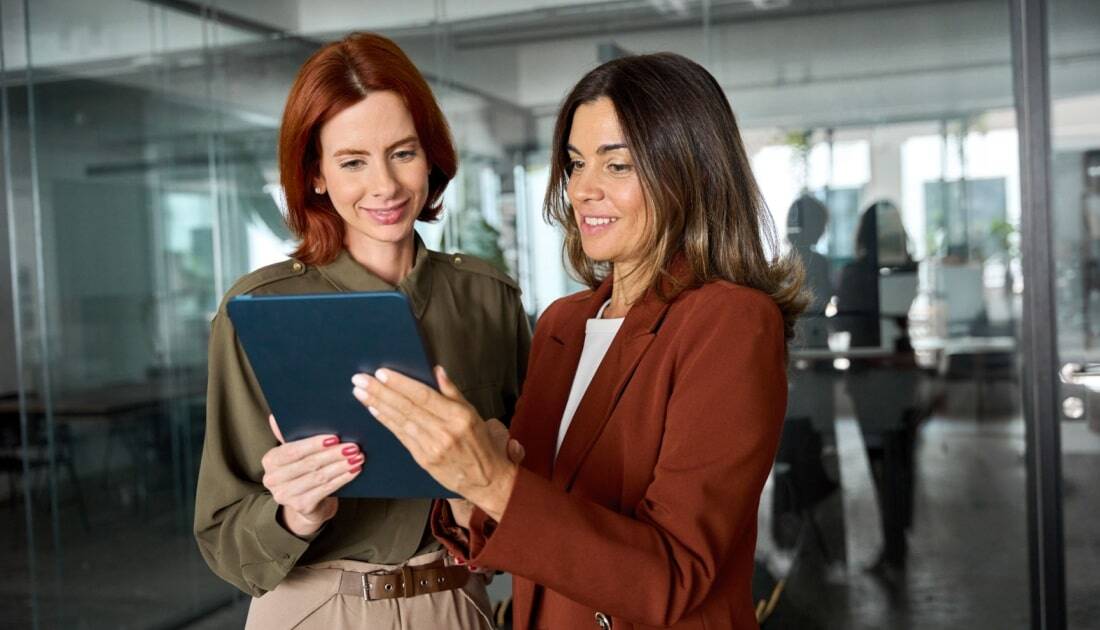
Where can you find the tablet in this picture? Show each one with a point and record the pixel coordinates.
(304, 349)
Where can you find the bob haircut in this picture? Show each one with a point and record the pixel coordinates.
(334, 78)
(706, 211)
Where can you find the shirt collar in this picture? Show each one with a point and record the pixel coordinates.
(348, 275)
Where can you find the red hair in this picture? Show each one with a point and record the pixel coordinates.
(336, 77)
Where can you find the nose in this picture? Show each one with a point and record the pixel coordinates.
(583, 186)
(381, 184)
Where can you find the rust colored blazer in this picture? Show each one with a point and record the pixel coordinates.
(648, 515)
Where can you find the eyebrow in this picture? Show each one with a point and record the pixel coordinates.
(603, 148)
(352, 151)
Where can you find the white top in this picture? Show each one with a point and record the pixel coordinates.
(598, 335)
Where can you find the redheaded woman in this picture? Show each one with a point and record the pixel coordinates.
(364, 152)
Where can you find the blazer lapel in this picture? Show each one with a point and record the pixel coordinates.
(605, 390)
(561, 354)
(541, 434)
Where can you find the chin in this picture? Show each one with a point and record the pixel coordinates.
(597, 254)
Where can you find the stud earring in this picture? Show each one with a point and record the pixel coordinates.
(318, 190)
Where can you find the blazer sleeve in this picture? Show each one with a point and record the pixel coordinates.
(722, 426)
(235, 516)
(455, 538)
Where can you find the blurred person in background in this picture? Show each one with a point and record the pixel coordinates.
(806, 473)
(873, 299)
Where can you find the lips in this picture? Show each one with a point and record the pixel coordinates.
(389, 215)
(593, 225)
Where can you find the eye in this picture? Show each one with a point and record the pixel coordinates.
(404, 155)
(574, 165)
(619, 168)
(352, 164)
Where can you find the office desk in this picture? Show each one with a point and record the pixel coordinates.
(133, 412)
(109, 401)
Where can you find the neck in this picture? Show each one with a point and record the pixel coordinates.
(389, 261)
(627, 287)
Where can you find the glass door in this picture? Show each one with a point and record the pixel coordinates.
(1074, 66)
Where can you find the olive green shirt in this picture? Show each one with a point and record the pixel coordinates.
(474, 325)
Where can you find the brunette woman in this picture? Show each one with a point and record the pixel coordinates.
(660, 390)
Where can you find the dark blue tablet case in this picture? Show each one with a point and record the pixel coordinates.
(304, 349)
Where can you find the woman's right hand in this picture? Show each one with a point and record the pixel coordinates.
(461, 509)
(302, 475)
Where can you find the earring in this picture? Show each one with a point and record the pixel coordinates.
(318, 190)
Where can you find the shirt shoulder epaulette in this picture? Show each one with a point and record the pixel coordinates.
(263, 276)
(472, 264)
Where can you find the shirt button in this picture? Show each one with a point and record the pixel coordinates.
(602, 621)
(458, 259)
(297, 266)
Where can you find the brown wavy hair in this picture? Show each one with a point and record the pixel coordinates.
(706, 208)
(334, 78)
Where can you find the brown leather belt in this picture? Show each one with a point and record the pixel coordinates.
(404, 582)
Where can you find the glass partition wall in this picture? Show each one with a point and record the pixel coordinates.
(127, 170)
(139, 181)
(1074, 68)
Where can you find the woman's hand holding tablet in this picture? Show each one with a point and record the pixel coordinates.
(303, 474)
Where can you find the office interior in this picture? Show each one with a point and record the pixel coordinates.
(139, 180)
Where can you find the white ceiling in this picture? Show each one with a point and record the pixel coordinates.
(807, 63)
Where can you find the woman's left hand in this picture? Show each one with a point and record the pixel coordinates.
(444, 434)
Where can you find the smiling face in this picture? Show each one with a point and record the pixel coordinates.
(374, 170)
(604, 188)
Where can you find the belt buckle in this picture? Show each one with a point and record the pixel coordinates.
(406, 587)
(368, 588)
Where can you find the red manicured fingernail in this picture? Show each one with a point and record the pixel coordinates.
(356, 469)
(473, 568)
(354, 461)
(331, 441)
(350, 449)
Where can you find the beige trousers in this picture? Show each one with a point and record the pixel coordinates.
(309, 598)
